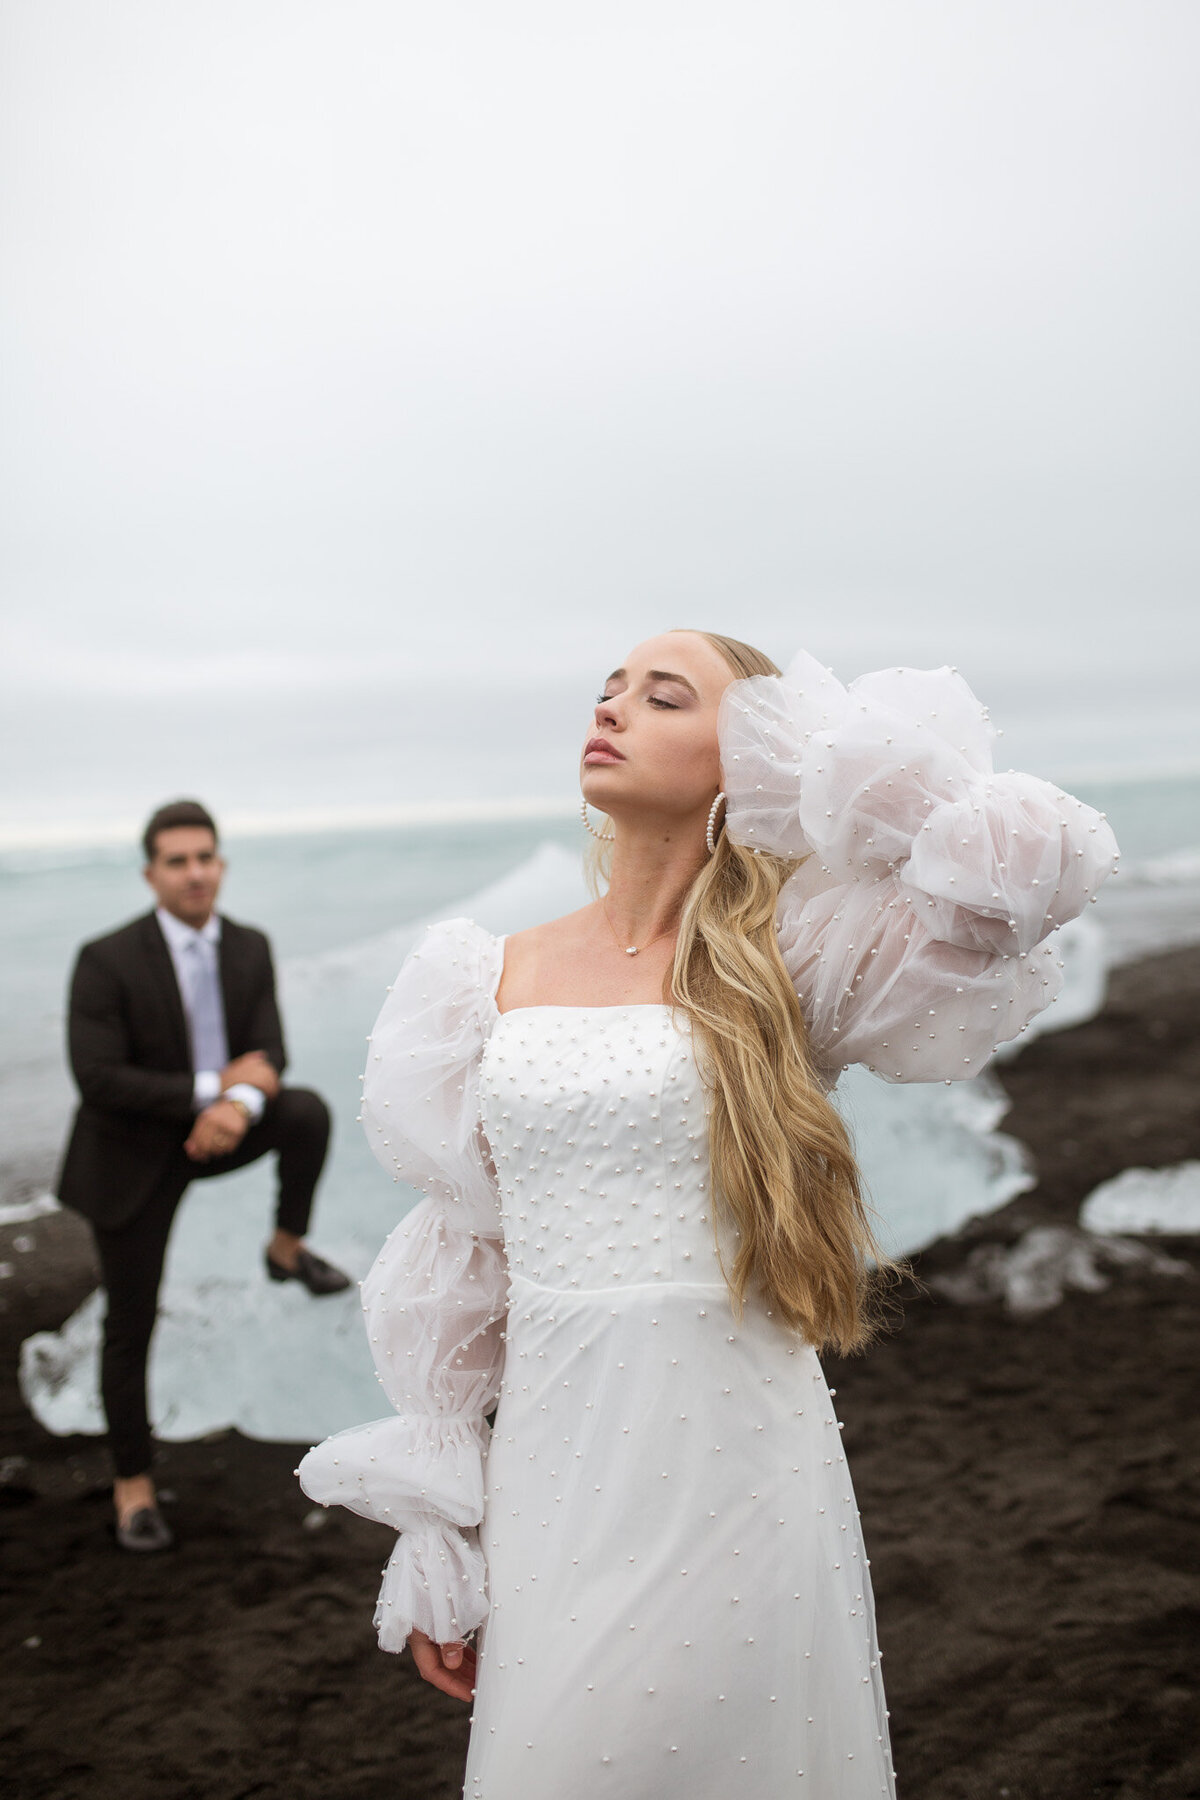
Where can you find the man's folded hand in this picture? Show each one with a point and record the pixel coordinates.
(218, 1130)
(254, 1070)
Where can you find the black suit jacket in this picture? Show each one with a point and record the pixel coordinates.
(129, 1051)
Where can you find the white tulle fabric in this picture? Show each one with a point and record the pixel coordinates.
(918, 927)
(436, 1297)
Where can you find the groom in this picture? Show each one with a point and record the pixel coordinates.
(176, 1047)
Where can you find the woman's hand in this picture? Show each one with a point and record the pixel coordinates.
(450, 1667)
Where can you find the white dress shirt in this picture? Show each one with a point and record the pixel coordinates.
(180, 939)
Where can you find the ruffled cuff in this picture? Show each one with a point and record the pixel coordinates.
(877, 988)
(893, 775)
(1003, 867)
(435, 1581)
(849, 774)
(917, 927)
(424, 1477)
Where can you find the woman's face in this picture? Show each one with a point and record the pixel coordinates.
(652, 749)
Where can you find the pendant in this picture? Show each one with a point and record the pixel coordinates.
(631, 950)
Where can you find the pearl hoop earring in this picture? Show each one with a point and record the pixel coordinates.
(604, 837)
(711, 832)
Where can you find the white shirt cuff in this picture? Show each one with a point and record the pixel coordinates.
(250, 1096)
(206, 1088)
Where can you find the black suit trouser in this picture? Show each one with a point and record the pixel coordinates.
(296, 1126)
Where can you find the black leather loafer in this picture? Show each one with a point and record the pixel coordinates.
(318, 1276)
(145, 1531)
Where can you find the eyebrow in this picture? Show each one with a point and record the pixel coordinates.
(658, 675)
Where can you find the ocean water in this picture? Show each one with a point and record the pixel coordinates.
(339, 904)
(342, 907)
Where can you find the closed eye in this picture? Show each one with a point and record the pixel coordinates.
(653, 699)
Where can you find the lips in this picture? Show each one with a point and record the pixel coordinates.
(598, 749)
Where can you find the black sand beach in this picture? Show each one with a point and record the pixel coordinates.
(1028, 1486)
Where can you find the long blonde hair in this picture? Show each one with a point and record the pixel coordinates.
(783, 1165)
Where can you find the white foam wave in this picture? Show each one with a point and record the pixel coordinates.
(49, 835)
(1126, 773)
(545, 885)
(1179, 868)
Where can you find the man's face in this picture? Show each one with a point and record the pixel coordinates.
(185, 873)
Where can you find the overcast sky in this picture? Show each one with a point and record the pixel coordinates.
(362, 341)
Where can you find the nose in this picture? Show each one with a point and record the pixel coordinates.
(608, 716)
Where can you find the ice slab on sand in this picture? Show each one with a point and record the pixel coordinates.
(268, 1359)
(931, 1156)
(23, 1212)
(1032, 1275)
(232, 1349)
(1166, 1201)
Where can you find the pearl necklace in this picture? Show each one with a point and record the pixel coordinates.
(633, 949)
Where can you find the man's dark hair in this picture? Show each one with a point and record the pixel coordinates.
(176, 812)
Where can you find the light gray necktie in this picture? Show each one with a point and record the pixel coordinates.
(206, 1011)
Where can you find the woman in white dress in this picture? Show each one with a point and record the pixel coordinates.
(643, 1220)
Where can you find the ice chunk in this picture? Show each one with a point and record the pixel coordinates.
(931, 1156)
(1146, 1200)
(20, 1212)
(230, 1347)
(1032, 1275)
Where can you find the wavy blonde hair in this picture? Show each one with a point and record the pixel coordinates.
(783, 1164)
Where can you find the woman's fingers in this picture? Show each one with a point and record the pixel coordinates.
(450, 1667)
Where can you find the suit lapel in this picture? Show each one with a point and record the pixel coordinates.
(162, 969)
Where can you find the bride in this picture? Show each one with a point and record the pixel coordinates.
(643, 1220)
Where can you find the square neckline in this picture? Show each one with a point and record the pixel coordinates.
(561, 1006)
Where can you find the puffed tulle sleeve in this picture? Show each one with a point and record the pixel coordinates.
(435, 1299)
(918, 926)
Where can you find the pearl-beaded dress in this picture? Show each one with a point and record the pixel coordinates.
(680, 1596)
(658, 1538)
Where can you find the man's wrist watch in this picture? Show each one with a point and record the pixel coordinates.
(241, 1106)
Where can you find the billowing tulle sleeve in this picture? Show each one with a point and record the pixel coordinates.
(436, 1297)
(918, 928)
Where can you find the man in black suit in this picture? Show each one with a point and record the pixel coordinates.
(177, 1048)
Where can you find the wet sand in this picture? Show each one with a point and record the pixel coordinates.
(1029, 1488)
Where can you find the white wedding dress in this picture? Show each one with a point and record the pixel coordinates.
(658, 1538)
